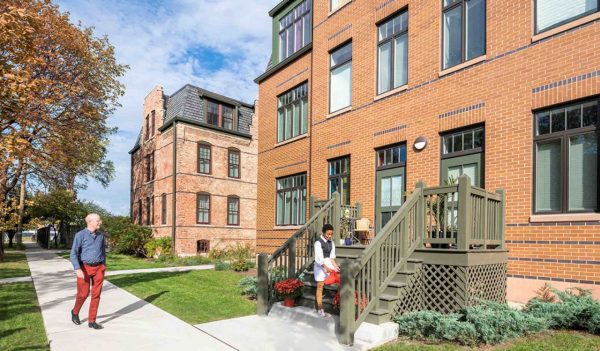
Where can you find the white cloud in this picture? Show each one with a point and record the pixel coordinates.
(159, 40)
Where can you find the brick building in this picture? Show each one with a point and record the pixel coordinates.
(505, 92)
(213, 184)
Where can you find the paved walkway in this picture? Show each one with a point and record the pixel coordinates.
(130, 323)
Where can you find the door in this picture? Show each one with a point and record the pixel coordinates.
(454, 167)
(389, 194)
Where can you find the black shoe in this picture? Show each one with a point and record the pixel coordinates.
(95, 325)
(75, 318)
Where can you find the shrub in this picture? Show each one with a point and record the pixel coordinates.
(248, 285)
(240, 265)
(126, 238)
(158, 247)
(575, 309)
(232, 252)
(435, 326)
(222, 266)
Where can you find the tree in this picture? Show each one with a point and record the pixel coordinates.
(58, 85)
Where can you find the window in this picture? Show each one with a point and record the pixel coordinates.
(295, 30)
(391, 157)
(203, 208)
(335, 4)
(150, 167)
(202, 246)
(220, 115)
(553, 13)
(204, 155)
(233, 210)
(139, 212)
(163, 209)
(147, 127)
(392, 53)
(292, 113)
(566, 158)
(339, 178)
(291, 200)
(340, 80)
(464, 29)
(462, 153)
(152, 117)
(234, 164)
(148, 213)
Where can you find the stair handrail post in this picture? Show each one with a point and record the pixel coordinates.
(421, 212)
(311, 206)
(292, 258)
(464, 212)
(347, 308)
(262, 286)
(502, 214)
(337, 218)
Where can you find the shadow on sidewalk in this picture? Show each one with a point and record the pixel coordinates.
(134, 306)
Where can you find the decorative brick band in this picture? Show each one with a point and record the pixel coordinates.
(577, 281)
(553, 224)
(292, 77)
(338, 145)
(339, 32)
(385, 4)
(552, 260)
(462, 110)
(566, 81)
(290, 165)
(553, 242)
(390, 130)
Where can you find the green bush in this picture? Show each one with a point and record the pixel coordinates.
(159, 247)
(125, 237)
(240, 265)
(222, 266)
(248, 286)
(435, 326)
(232, 252)
(575, 309)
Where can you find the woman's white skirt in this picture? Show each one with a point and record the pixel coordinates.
(319, 272)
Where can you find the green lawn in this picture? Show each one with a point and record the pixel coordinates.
(117, 262)
(547, 341)
(195, 297)
(21, 325)
(14, 265)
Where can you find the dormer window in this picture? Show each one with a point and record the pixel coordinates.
(295, 30)
(220, 115)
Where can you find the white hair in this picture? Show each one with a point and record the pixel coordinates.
(91, 216)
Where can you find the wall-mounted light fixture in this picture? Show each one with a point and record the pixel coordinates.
(420, 143)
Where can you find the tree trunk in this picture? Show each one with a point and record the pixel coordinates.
(21, 209)
(11, 236)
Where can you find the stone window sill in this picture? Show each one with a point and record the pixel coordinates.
(566, 26)
(391, 92)
(287, 227)
(339, 112)
(462, 65)
(565, 217)
(299, 137)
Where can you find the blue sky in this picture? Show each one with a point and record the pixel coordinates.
(219, 45)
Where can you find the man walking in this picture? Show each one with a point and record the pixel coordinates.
(88, 258)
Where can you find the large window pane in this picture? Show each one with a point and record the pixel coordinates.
(304, 127)
(551, 13)
(401, 61)
(383, 79)
(548, 177)
(341, 87)
(475, 13)
(345, 190)
(386, 191)
(452, 37)
(583, 172)
(396, 191)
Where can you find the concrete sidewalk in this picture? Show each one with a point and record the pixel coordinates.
(130, 323)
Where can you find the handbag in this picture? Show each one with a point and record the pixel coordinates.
(333, 278)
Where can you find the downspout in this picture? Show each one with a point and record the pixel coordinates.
(174, 186)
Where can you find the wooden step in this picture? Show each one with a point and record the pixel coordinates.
(308, 300)
(379, 316)
(388, 302)
(394, 288)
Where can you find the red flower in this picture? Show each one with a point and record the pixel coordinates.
(364, 301)
(289, 288)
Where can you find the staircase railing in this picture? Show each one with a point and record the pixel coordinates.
(295, 255)
(364, 281)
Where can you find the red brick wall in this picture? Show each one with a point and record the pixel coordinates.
(502, 86)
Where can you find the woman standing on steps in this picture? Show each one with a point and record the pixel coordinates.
(324, 264)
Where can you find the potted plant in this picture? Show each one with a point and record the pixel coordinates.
(289, 290)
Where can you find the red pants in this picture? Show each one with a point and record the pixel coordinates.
(96, 275)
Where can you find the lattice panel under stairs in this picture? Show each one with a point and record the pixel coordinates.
(446, 288)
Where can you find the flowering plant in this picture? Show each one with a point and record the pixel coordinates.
(359, 305)
(289, 288)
